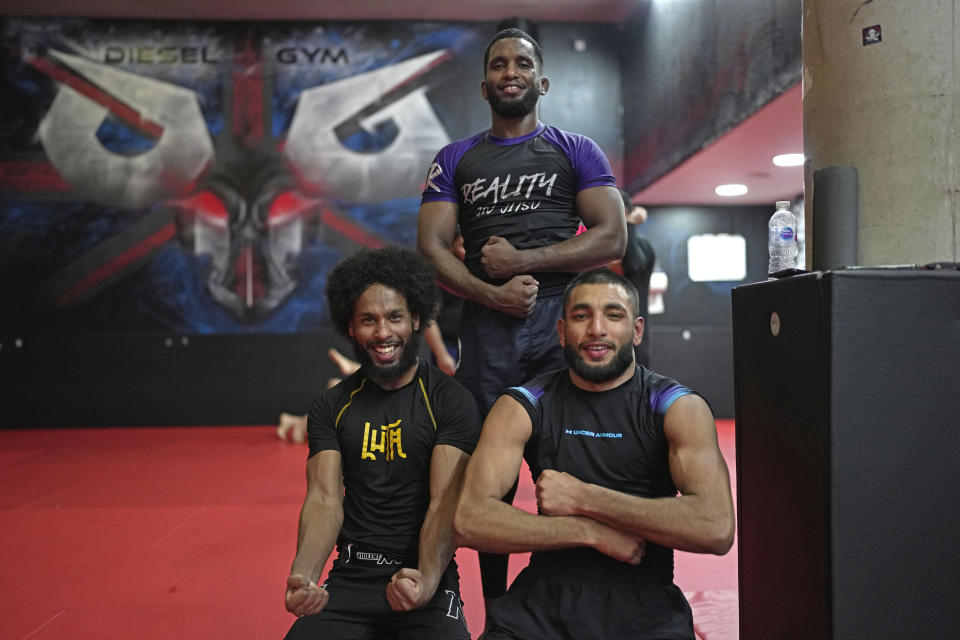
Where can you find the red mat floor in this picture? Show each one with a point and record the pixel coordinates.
(188, 533)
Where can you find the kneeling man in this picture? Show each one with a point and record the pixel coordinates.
(627, 469)
(388, 446)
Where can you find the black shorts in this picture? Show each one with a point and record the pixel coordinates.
(358, 608)
(499, 351)
(589, 606)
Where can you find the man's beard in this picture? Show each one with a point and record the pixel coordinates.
(513, 108)
(387, 373)
(599, 373)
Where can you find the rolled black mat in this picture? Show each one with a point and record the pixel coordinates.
(835, 210)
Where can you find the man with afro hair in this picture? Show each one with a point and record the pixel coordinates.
(388, 446)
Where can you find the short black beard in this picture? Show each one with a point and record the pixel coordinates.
(395, 371)
(516, 108)
(602, 373)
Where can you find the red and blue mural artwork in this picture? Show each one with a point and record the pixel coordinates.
(202, 178)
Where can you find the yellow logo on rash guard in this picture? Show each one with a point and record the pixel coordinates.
(387, 444)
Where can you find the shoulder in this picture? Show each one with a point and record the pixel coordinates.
(452, 408)
(331, 402)
(435, 380)
(533, 392)
(347, 386)
(329, 412)
(570, 142)
(452, 152)
(439, 184)
(443, 389)
(662, 392)
(587, 158)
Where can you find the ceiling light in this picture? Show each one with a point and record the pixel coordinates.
(731, 189)
(788, 160)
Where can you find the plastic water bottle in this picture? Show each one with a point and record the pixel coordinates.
(782, 238)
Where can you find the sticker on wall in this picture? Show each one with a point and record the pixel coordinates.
(872, 35)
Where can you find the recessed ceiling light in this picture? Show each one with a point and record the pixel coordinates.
(788, 160)
(731, 189)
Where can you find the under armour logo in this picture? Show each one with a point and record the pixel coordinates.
(434, 171)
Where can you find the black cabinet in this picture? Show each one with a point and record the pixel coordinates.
(847, 401)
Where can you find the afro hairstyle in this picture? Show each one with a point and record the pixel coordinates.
(397, 268)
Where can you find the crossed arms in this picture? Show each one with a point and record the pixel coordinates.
(322, 516)
(576, 513)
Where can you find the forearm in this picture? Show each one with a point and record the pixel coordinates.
(488, 524)
(686, 522)
(455, 277)
(319, 527)
(436, 542)
(594, 247)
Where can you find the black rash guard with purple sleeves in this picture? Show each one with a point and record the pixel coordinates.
(613, 439)
(521, 189)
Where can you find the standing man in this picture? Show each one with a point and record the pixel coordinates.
(388, 447)
(610, 445)
(638, 260)
(519, 191)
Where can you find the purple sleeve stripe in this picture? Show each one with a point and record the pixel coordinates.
(661, 399)
(532, 395)
(590, 165)
(439, 185)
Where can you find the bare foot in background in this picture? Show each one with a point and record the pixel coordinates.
(292, 428)
(345, 364)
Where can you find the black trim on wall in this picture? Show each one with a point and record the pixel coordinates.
(157, 379)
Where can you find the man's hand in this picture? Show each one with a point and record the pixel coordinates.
(499, 258)
(518, 296)
(558, 493)
(407, 590)
(618, 545)
(561, 494)
(303, 597)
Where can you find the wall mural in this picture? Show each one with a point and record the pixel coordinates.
(202, 178)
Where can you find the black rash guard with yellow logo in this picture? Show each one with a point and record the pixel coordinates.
(386, 439)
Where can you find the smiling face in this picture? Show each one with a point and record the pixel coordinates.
(385, 336)
(513, 83)
(598, 332)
